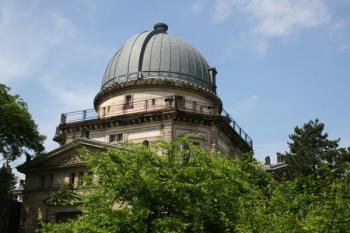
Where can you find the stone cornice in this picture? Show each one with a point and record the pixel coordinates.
(110, 90)
(173, 114)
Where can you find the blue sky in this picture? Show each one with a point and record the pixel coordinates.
(280, 62)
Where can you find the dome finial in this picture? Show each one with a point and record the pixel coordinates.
(160, 27)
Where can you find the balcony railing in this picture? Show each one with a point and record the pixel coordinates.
(154, 105)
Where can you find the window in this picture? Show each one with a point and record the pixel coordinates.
(72, 179)
(184, 146)
(50, 184)
(89, 178)
(128, 101)
(153, 102)
(62, 217)
(196, 143)
(179, 101)
(42, 182)
(80, 179)
(201, 108)
(116, 137)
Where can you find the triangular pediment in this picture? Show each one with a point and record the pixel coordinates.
(64, 156)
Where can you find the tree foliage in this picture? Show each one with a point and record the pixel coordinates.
(64, 196)
(182, 190)
(7, 182)
(18, 132)
(312, 153)
(174, 188)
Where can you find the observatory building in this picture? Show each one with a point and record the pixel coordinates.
(156, 87)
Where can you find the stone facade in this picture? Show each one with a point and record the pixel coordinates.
(47, 174)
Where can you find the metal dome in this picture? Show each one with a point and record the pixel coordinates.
(158, 55)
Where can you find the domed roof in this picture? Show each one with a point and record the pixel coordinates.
(158, 55)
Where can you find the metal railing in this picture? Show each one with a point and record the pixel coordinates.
(237, 128)
(153, 105)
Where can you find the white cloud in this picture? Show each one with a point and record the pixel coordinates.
(26, 37)
(271, 19)
(274, 18)
(223, 9)
(72, 96)
(277, 18)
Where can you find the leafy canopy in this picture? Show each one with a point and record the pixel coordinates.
(312, 153)
(7, 182)
(18, 132)
(174, 188)
(167, 187)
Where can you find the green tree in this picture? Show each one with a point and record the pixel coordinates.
(317, 199)
(7, 182)
(18, 132)
(174, 188)
(310, 150)
(310, 204)
(169, 188)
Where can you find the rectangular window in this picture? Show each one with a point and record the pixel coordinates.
(194, 105)
(50, 184)
(42, 182)
(153, 102)
(196, 143)
(179, 101)
(128, 101)
(112, 137)
(116, 137)
(62, 217)
(72, 179)
(80, 181)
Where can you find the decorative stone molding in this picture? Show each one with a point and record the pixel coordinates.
(147, 82)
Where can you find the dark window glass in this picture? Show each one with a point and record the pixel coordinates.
(81, 174)
(90, 177)
(116, 137)
(112, 137)
(62, 217)
(194, 105)
(72, 179)
(42, 182)
(128, 101)
(50, 185)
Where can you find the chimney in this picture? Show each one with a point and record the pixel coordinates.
(212, 75)
(280, 158)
